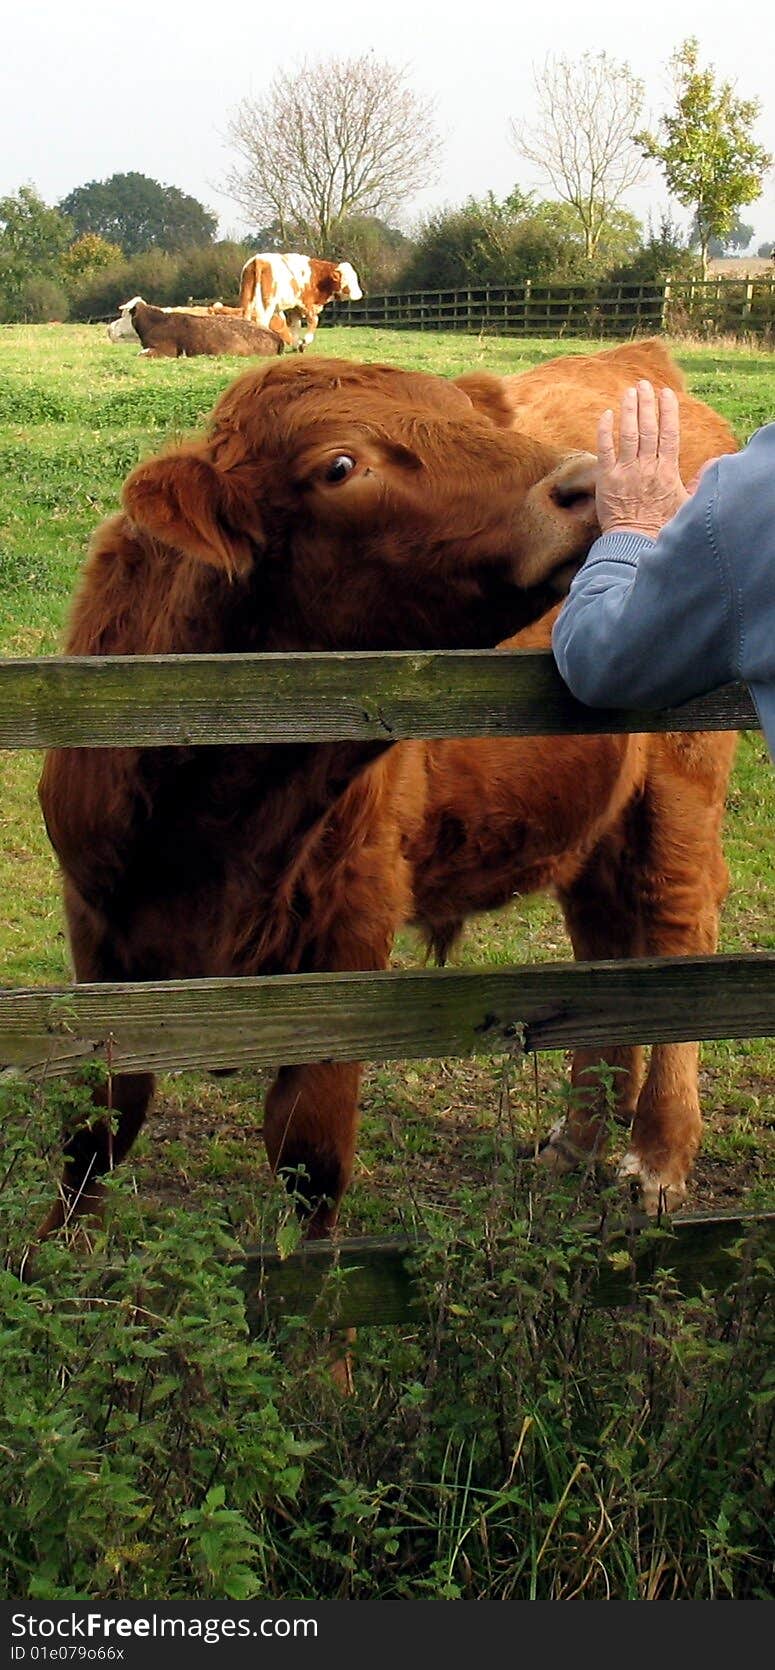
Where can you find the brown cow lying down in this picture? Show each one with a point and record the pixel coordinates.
(177, 333)
(397, 511)
(330, 506)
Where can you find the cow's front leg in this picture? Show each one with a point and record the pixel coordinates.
(94, 1149)
(120, 1104)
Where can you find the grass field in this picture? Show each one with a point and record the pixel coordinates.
(515, 1443)
(76, 413)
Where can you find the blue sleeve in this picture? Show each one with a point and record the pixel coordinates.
(651, 622)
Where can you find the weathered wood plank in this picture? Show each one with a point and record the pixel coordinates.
(392, 1015)
(361, 1282)
(173, 701)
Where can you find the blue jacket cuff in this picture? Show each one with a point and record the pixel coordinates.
(620, 547)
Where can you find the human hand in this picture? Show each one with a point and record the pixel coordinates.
(641, 489)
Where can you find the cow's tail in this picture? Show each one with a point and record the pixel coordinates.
(247, 289)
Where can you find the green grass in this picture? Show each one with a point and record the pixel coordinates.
(514, 1443)
(76, 413)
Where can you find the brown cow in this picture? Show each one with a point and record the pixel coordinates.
(330, 506)
(175, 333)
(625, 830)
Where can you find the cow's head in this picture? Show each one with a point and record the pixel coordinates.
(348, 288)
(122, 329)
(366, 507)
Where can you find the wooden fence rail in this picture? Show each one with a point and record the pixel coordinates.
(706, 307)
(392, 1015)
(180, 701)
(352, 1284)
(185, 701)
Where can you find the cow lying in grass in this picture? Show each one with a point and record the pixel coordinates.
(336, 506)
(176, 332)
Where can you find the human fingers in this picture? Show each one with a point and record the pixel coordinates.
(669, 426)
(648, 429)
(628, 427)
(606, 451)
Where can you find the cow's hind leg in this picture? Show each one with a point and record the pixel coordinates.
(310, 1128)
(681, 911)
(602, 915)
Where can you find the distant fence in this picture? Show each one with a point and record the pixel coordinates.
(712, 307)
(709, 308)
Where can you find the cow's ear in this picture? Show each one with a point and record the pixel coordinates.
(187, 502)
(487, 395)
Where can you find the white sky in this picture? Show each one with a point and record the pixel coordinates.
(87, 91)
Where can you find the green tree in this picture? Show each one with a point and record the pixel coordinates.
(87, 255)
(32, 239)
(378, 252)
(138, 213)
(733, 242)
(664, 253)
(619, 239)
(711, 161)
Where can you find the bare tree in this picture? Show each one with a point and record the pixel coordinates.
(583, 142)
(341, 137)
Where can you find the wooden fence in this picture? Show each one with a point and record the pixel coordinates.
(713, 307)
(174, 701)
(709, 308)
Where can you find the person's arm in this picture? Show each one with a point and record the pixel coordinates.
(651, 618)
(651, 622)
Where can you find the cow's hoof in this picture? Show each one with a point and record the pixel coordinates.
(559, 1152)
(653, 1193)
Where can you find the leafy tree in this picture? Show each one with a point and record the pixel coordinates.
(484, 241)
(665, 253)
(88, 254)
(619, 239)
(32, 239)
(211, 274)
(766, 249)
(342, 137)
(476, 242)
(711, 161)
(583, 142)
(379, 252)
(734, 241)
(30, 231)
(138, 213)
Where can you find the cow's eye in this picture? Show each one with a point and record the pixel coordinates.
(340, 467)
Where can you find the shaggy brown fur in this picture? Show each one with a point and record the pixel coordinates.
(181, 863)
(625, 830)
(331, 506)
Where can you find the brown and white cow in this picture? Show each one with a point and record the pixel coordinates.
(176, 333)
(272, 284)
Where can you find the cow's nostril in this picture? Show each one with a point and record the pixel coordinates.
(567, 494)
